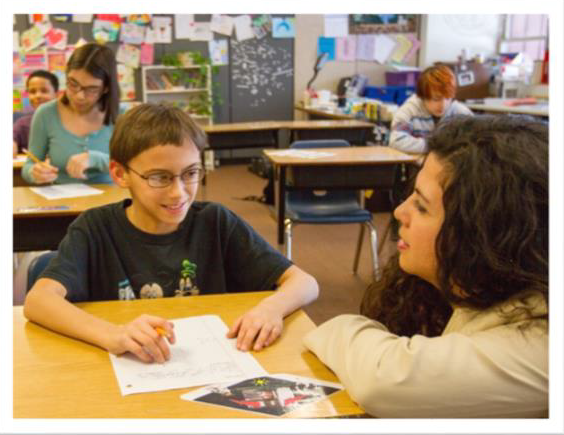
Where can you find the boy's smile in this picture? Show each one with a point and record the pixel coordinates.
(159, 210)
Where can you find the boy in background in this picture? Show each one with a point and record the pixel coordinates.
(41, 86)
(161, 243)
(420, 113)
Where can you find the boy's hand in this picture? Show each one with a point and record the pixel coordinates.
(77, 164)
(142, 339)
(262, 324)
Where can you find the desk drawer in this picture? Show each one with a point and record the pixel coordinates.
(342, 176)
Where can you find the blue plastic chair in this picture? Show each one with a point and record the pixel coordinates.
(36, 266)
(328, 207)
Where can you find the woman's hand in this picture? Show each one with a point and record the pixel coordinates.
(140, 337)
(262, 325)
(44, 172)
(77, 164)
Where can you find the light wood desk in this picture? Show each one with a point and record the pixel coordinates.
(278, 134)
(59, 377)
(17, 175)
(37, 228)
(347, 168)
(496, 105)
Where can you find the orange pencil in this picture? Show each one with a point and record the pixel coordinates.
(32, 157)
(161, 331)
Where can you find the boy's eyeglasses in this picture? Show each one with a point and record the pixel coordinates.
(76, 87)
(164, 179)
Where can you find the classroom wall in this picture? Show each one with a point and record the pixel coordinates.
(309, 28)
(444, 36)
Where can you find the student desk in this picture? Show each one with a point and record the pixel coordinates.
(496, 105)
(59, 377)
(37, 229)
(347, 168)
(278, 134)
(354, 131)
(17, 176)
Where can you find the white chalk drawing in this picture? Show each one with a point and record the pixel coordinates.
(259, 70)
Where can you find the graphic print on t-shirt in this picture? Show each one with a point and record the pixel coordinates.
(125, 291)
(187, 283)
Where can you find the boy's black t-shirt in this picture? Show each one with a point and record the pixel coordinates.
(104, 257)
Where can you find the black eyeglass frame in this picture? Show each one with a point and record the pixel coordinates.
(147, 178)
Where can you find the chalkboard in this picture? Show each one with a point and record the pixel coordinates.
(267, 67)
(262, 79)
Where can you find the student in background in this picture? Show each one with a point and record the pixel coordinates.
(420, 113)
(458, 324)
(41, 86)
(161, 243)
(71, 135)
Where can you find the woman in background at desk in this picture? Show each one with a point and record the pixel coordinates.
(41, 86)
(457, 326)
(432, 103)
(71, 135)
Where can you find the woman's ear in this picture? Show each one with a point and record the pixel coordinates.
(119, 174)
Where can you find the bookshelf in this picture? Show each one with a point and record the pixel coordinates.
(188, 87)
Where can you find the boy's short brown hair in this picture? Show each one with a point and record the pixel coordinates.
(437, 80)
(149, 125)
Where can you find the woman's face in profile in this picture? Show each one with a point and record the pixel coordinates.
(421, 217)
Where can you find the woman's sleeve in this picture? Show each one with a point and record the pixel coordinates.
(38, 143)
(99, 160)
(454, 375)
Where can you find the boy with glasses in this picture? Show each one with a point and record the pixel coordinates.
(162, 243)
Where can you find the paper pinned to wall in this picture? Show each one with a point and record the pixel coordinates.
(402, 48)
(415, 44)
(202, 355)
(365, 47)
(346, 49)
(222, 24)
(243, 27)
(336, 26)
(384, 46)
(183, 26)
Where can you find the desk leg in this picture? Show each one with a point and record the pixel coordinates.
(281, 203)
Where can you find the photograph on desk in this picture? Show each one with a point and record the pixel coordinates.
(276, 394)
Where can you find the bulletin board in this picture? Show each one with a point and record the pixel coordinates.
(383, 23)
(256, 84)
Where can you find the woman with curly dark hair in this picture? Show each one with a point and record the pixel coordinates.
(458, 324)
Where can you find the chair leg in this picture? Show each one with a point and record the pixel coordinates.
(358, 248)
(374, 249)
(288, 237)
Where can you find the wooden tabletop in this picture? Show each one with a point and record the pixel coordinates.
(290, 125)
(323, 113)
(497, 105)
(30, 204)
(59, 377)
(367, 155)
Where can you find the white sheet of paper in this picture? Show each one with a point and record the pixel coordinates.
(202, 355)
(73, 190)
(303, 154)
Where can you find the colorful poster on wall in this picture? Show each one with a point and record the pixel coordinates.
(132, 33)
(219, 53)
(147, 54)
(56, 63)
(105, 31)
(283, 27)
(141, 19)
(326, 45)
(18, 102)
(129, 55)
(56, 38)
(222, 24)
(126, 82)
(262, 26)
(115, 18)
(382, 23)
(31, 38)
(62, 18)
(162, 27)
